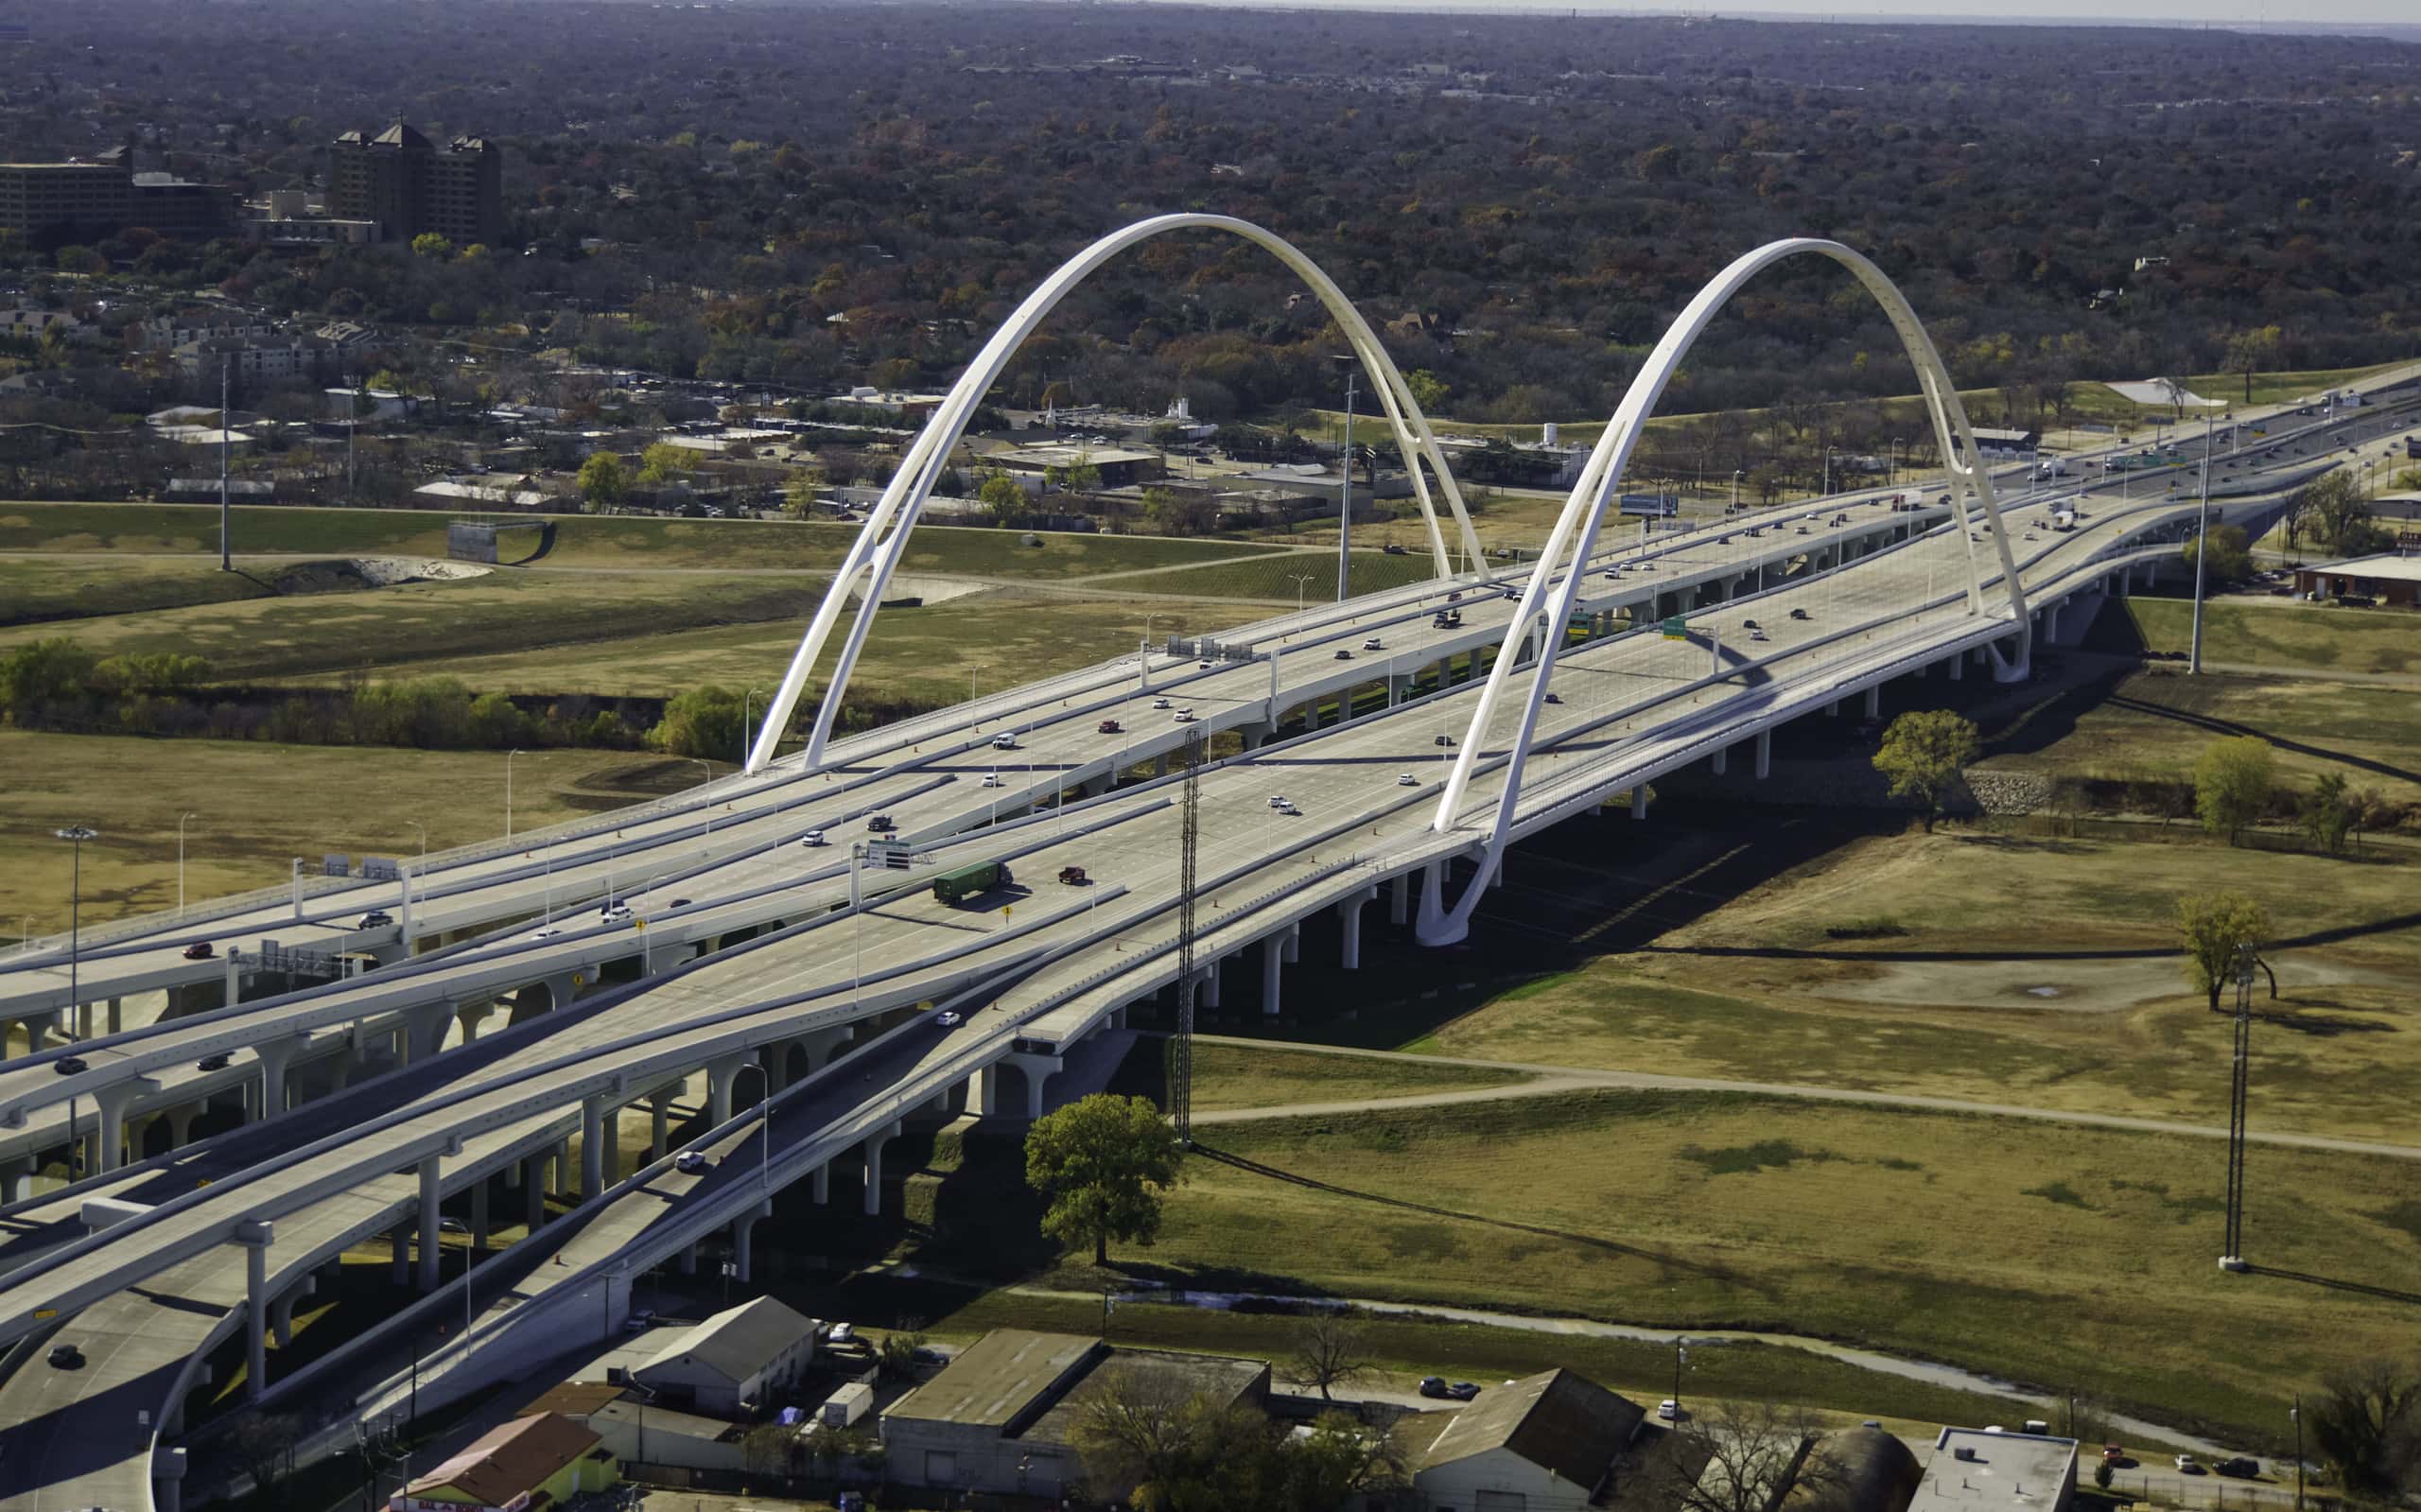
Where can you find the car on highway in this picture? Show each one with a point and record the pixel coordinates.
(202, 951)
(1455, 597)
(812, 838)
(1184, 717)
(1799, 614)
(680, 902)
(1289, 809)
(1554, 698)
(1748, 624)
(65, 1357)
(69, 1065)
(2186, 1465)
(1759, 634)
(1278, 800)
(1373, 644)
(1405, 779)
(1344, 656)
(1162, 704)
(991, 779)
(949, 1020)
(375, 919)
(1442, 739)
(546, 933)
(615, 914)
(212, 1063)
(1073, 877)
(880, 824)
(1110, 727)
(1004, 741)
(690, 1162)
(1615, 572)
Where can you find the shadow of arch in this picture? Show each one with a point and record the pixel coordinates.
(1574, 537)
(879, 546)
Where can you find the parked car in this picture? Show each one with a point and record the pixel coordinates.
(690, 1162)
(1669, 1410)
(2242, 1466)
(1462, 1391)
(375, 919)
(840, 1335)
(2114, 1453)
(2186, 1465)
(639, 1321)
(202, 951)
(1433, 1386)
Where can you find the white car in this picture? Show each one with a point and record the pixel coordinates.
(991, 779)
(690, 1162)
(1004, 741)
(615, 914)
(1669, 1410)
(1290, 809)
(840, 1334)
(1278, 800)
(1405, 779)
(546, 933)
(951, 1020)
(1161, 703)
(1184, 717)
(812, 838)
(1373, 644)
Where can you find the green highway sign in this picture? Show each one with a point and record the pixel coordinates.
(1677, 627)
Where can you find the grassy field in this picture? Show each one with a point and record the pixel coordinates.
(75, 587)
(922, 655)
(2157, 725)
(1997, 970)
(620, 541)
(2315, 638)
(256, 807)
(1237, 1076)
(1272, 577)
(2064, 1256)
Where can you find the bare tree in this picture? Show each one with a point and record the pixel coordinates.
(1330, 1350)
(264, 1442)
(1742, 1458)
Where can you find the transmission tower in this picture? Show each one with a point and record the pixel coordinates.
(1181, 1043)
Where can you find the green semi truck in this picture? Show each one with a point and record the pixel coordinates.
(965, 882)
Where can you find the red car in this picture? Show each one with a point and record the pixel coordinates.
(1108, 728)
(200, 953)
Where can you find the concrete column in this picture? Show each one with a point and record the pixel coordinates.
(1639, 801)
(1213, 975)
(16, 1177)
(721, 1073)
(281, 1313)
(982, 1096)
(256, 1315)
(1311, 717)
(874, 1166)
(688, 1261)
(1765, 753)
(1039, 1071)
(1294, 942)
(428, 1215)
(743, 1231)
(2051, 623)
(1273, 955)
(471, 1016)
(399, 1241)
(1722, 758)
(659, 1111)
(111, 1103)
(596, 1125)
(819, 1185)
(1160, 765)
(1957, 667)
(560, 991)
(117, 1019)
(1349, 916)
(533, 1186)
(276, 1056)
(479, 1215)
(181, 1124)
(1875, 700)
(423, 1032)
(1398, 898)
(1833, 709)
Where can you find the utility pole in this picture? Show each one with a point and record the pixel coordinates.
(352, 424)
(226, 557)
(1180, 1068)
(1345, 494)
(2201, 549)
(2232, 1256)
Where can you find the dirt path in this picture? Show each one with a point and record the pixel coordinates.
(1554, 1079)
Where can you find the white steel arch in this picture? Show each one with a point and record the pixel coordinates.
(876, 554)
(1586, 508)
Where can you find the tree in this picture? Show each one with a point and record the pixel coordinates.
(1924, 753)
(1001, 498)
(1339, 1463)
(2330, 509)
(1105, 1162)
(263, 1443)
(1330, 1350)
(899, 1353)
(766, 1449)
(44, 671)
(2366, 1422)
(2233, 780)
(662, 461)
(2231, 555)
(1078, 477)
(1427, 391)
(702, 722)
(2249, 351)
(433, 246)
(1748, 1458)
(600, 482)
(2329, 813)
(2210, 927)
(798, 494)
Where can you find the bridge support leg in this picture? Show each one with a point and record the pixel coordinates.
(1160, 765)
(1722, 758)
(533, 1187)
(1398, 898)
(874, 1166)
(1958, 666)
(471, 1016)
(1273, 955)
(560, 991)
(399, 1245)
(1765, 755)
(819, 1186)
(720, 1074)
(479, 1216)
(281, 1313)
(1294, 942)
(1832, 710)
(117, 1019)
(256, 1320)
(428, 1215)
(743, 1233)
(1875, 700)
(1212, 974)
(1350, 916)
(596, 1125)
(181, 1124)
(1639, 801)
(659, 1122)
(113, 1101)
(15, 1176)
(1039, 1071)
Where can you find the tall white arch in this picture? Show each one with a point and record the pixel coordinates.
(876, 554)
(1586, 508)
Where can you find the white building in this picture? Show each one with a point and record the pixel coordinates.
(1545, 1443)
(1988, 1471)
(733, 1359)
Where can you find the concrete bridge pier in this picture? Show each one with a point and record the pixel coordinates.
(721, 1073)
(1214, 972)
(1875, 700)
(1273, 955)
(423, 1032)
(277, 1058)
(399, 1253)
(1399, 898)
(1294, 938)
(281, 1313)
(534, 1187)
(429, 1217)
(983, 1095)
(1350, 916)
(1639, 800)
(168, 1479)
(743, 1231)
(254, 1237)
(1765, 753)
(874, 1165)
(470, 1017)
(1720, 760)
(1957, 667)
(1039, 1071)
(599, 1120)
(114, 1101)
(16, 1178)
(659, 1121)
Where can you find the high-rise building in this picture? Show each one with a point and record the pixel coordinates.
(106, 195)
(408, 186)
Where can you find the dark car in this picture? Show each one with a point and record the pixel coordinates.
(1799, 614)
(68, 1065)
(375, 919)
(1344, 656)
(200, 953)
(1433, 1386)
(2243, 1466)
(217, 1062)
(1462, 1391)
(65, 1357)
(879, 823)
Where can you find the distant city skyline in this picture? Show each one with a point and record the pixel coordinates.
(2393, 17)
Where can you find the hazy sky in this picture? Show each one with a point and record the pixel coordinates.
(2402, 14)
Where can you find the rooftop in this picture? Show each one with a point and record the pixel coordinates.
(1972, 1469)
(504, 1461)
(1069, 455)
(737, 1343)
(1557, 1421)
(994, 1380)
(2386, 566)
(1223, 1378)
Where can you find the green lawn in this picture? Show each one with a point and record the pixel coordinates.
(257, 806)
(2057, 1256)
(2318, 637)
(74, 588)
(1237, 1076)
(624, 541)
(1272, 577)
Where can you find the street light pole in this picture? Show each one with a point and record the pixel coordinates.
(181, 863)
(75, 835)
(2296, 1411)
(508, 790)
(2201, 552)
(1681, 1358)
(747, 704)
